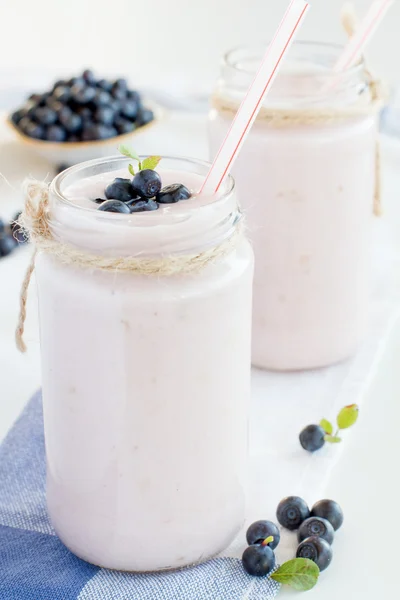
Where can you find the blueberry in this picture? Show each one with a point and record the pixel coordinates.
(316, 549)
(84, 112)
(147, 183)
(329, 510)
(143, 205)
(82, 94)
(36, 98)
(260, 530)
(134, 95)
(73, 138)
(145, 116)
(104, 132)
(121, 84)
(17, 230)
(60, 82)
(258, 560)
(70, 120)
(62, 93)
(312, 438)
(115, 206)
(104, 84)
(291, 512)
(89, 131)
(7, 244)
(43, 99)
(119, 89)
(173, 193)
(56, 133)
(104, 115)
(120, 189)
(31, 129)
(2, 226)
(76, 81)
(315, 526)
(61, 167)
(44, 115)
(102, 98)
(54, 104)
(129, 109)
(123, 125)
(89, 77)
(17, 116)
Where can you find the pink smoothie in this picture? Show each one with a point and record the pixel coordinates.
(307, 193)
(146, 383)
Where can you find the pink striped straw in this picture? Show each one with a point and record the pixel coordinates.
(257, 91)
(357, 43)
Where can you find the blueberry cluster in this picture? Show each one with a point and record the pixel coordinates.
(82, 109)
(142, 193)
(315, 534)
(11, 234)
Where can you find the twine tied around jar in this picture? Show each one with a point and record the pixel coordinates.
(35, 221)
(280, 118)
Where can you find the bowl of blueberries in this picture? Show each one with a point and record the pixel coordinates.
(81, 118)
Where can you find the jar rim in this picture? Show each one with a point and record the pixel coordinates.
(116, 160)
(335, 48)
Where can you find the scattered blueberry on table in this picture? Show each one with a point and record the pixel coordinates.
(313, 437)
(318, 527)
(315, 535)
(291, 512)
(258, 560)
(144, 192)
(329, 510)
(316, 549)
(11, 235)
(260, 530)
(83, 108)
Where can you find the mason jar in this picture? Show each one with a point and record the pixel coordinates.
(306, 178)
(146, 377)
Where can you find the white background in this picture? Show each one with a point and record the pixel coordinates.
(160, 39)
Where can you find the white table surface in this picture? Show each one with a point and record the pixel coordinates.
(364, 481)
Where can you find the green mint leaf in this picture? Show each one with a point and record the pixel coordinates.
(326, 426)
(131, 170)
(332, 439)
(129, 152)
(151, 162)
(300, 573)
(347, 416)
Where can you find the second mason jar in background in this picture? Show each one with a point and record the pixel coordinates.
(306, 178)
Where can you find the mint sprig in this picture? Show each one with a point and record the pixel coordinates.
(345, 419)
(150, 162)
(300, 573)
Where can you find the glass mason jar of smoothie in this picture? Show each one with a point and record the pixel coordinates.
(146, 378)
(306, 176)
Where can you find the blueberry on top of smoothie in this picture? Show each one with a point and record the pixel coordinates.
(120, 189)
(147, 183)
(173, 193)
(144, 192)
(115, 206)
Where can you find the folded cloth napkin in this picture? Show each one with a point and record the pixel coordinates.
(35, 565)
